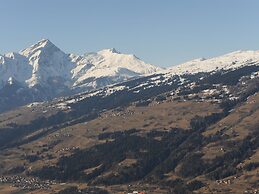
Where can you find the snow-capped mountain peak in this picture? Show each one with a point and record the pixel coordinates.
(109, 51)
(111, 64)
(48, 62)
(42, 45)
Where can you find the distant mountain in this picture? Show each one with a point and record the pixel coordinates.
(44, 72)
(232, 60)
(94, 70)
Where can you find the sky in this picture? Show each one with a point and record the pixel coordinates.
(160, 32)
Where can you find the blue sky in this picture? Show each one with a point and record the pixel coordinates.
(161, 32)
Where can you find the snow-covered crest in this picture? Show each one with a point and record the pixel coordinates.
(229, 61)
(110, 63)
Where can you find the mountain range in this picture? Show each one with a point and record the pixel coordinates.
(43, 71)
(107, 122)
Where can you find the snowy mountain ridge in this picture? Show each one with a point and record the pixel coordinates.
(44, 64)
(43, 72)
(232, 60)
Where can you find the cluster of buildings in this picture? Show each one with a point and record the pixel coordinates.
(26, 183)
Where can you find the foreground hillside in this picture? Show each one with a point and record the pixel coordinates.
(164, 133)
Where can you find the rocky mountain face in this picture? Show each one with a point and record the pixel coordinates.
(43, 71)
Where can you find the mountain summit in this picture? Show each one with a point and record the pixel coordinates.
(43, 44)
(48, 62)
(110, 50)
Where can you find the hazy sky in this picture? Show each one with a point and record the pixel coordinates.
(161, 32)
